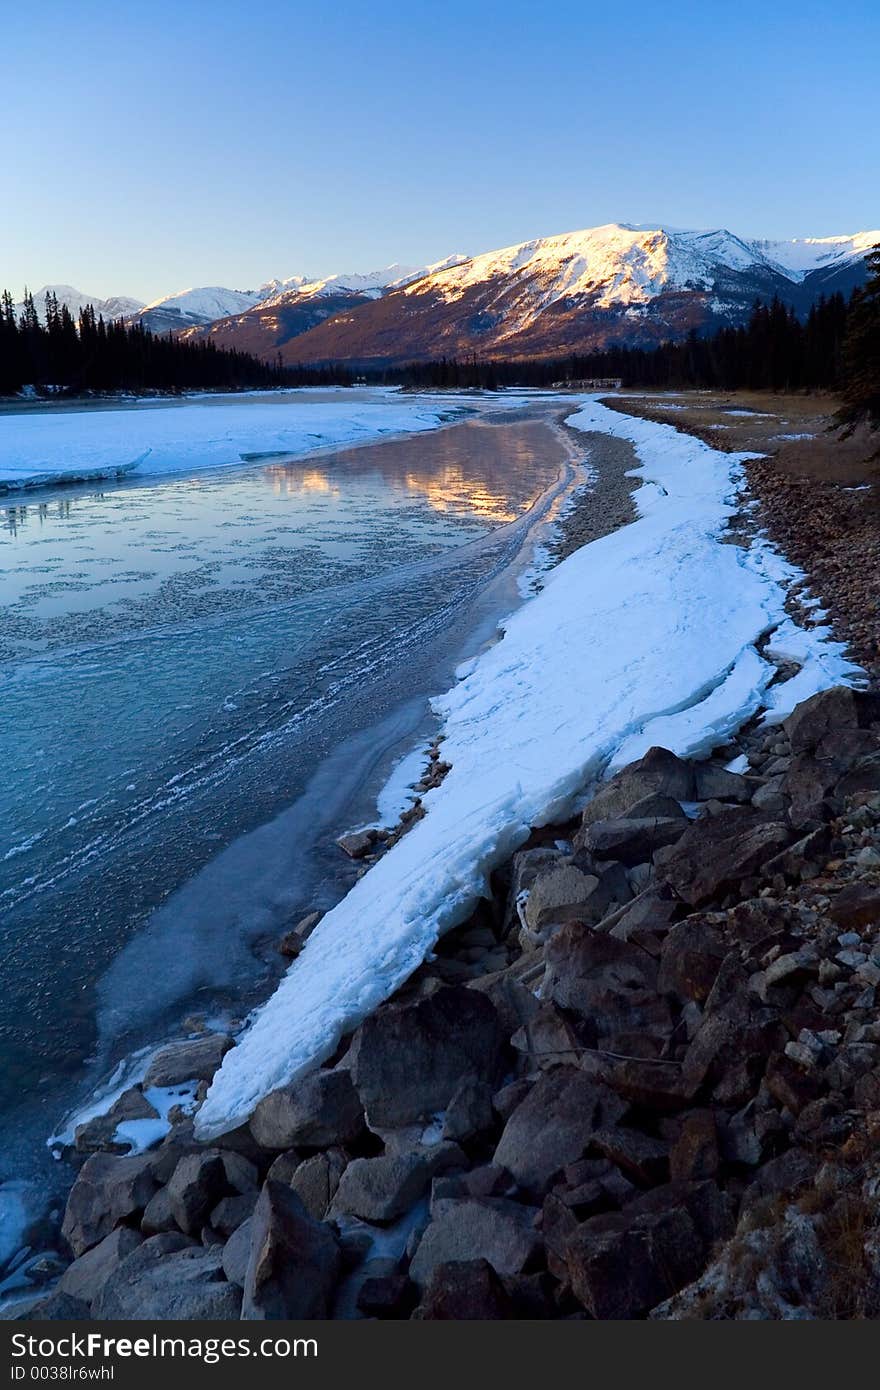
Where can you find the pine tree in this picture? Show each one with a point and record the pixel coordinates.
(861, 351)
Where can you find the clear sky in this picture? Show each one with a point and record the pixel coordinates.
(150, 145)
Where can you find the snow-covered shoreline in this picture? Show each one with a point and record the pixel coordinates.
(646, 636)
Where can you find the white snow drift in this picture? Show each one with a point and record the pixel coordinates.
(645, 636)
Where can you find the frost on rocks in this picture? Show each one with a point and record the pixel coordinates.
(646, 636)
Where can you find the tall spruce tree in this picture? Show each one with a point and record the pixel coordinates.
(861, 351)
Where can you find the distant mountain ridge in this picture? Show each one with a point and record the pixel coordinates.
(117, 307)
(580, 291)
(583, 291)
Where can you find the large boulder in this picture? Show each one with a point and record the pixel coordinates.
(621, 1266)
(86, 1277)
(315, 1112)
(196, 1185)
(824, 713)
(109, 1189)
(714, 783)
(611, 985)
(633, 840)
(465, 1289)
(293, 1263)
(493, 1229)
(524, 869)
(857, 905)
(560, 894)
(659, 772)
(553, 1126)
(168, 1278)
(316, 1179)
(381, 1189)
(716, 852)
(470, 1113)
(690, 959)
(411, 1058)
(195, 1059)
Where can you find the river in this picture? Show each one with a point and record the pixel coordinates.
(203, 680)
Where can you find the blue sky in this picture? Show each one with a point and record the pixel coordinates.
(148, 146)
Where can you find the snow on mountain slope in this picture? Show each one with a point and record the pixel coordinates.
(204, 304)
(371, 285)
(619, 264)
(799, 257)
(117, 307)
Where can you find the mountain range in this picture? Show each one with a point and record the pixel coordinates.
(581, 291)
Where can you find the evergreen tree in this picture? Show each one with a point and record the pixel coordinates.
(861, 351)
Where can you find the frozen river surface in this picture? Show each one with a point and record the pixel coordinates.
(203, 679)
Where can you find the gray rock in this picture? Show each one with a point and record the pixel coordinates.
(411, 1058)
(658, 772)
(86, 1277)
(53, 1307)
(559, 894)
(381, 1189)
(553, 1126)
(196, 1185)
(196, 1059)
(469, 1113)
(158, 1216)
(241, 1174)
(716, 783)
(492, 1229)
(164, 1279)
(655, 807)
(232, 1212)
(237, 1252)
(108, 1190)
(769, 796)
(317, 1111)
(524, 869)
(633, 841)
(316, 1179)
(294, 1261)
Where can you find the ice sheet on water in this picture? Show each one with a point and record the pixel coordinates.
(79, 445)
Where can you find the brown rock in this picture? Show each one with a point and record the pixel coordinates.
(293, 1263)
(717, 852)
(690, 959)
(553, 1125)
(465, 1289)
(694, 1154)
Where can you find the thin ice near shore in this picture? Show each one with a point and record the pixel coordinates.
(647, 636)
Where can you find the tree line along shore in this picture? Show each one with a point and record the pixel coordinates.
(836, 348)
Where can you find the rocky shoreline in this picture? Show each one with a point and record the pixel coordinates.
(642, 1080)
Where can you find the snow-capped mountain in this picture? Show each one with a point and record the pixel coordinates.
(117, 307)
(582, 291)
(577, 292)
(193, 307)
(294, 306)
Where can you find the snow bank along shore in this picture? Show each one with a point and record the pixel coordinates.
(80, 446)
(646, 636)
